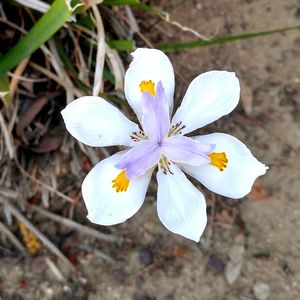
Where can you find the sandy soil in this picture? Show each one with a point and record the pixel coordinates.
(259, 234)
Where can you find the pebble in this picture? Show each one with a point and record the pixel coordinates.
(146, 257)
(261, 290)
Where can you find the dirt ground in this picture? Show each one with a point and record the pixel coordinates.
(255, 241)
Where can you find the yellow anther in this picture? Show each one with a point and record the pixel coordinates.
(219, 160)
(121, 182)
(148, 86)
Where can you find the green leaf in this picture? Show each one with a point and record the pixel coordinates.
(86, 22)
(221, 40)
(109, 76)
(45, 27)
(120, 2)
(121, 45)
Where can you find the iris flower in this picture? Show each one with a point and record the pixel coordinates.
(114, 190)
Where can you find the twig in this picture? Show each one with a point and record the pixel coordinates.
(97, 253)
(26, 79)
(47, 243)
(55, 271)
(76, 226)
(12, 238)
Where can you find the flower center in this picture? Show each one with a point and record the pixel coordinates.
(165, 165)
(219, 160)
(121, 182)
(148, 86)
(176, 129)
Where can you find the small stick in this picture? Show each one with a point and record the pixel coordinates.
(12, 238)
(47, 243)
(55, 271)
(74, 225)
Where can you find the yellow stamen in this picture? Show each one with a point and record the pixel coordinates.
(219, 160)
(121, 182)
(148, 86)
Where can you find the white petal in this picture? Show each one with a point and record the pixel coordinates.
(210, 96)
(148, 64)
(238, 177)
(95, 122)
(180, 206)
(106, 206)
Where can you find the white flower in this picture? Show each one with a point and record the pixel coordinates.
(115, 188)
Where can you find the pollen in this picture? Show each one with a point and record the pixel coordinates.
(219, 160)
(148, 86)
(121, 182)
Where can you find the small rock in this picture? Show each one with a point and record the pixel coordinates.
(215, 263)
(67, 289)
(146, 257)
(234, 265)
(49, 292)
(261, 291)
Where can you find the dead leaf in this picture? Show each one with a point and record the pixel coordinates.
(27, 117)
(48, 143)
(259, 192)
(180, 251)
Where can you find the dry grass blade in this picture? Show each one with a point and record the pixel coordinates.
(35, 4)
(133, 22)
(49, 188)
(7, 137)
(12, 238)
(100, 58)
(60, 70)
(8, 193)
(76, 226)
(98, 253)
(83, 74)
(54, 270)
(47, 243)
(60, 81)
(15, 78)
(166, 17)
(116, 67)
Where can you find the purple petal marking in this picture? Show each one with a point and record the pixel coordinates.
(139, 159)
(186, 150)
(156, 118)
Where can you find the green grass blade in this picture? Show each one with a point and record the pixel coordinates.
(221, 40)
(46, 26)
(4, 89)
(120, 2)
(121, 45)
